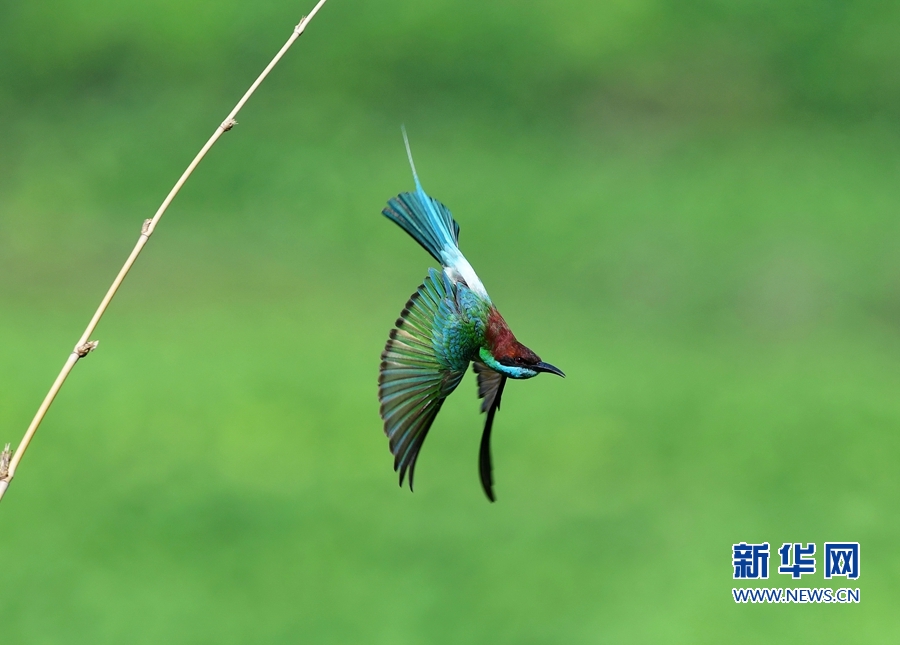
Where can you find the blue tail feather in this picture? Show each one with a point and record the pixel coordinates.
(426, 219)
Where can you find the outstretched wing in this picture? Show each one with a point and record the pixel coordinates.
(416, 372)
(490, 389)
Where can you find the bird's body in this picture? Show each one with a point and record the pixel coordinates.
(448, 323)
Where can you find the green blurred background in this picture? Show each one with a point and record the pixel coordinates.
(691, 207)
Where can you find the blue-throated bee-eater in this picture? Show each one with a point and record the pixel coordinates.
(448, 323)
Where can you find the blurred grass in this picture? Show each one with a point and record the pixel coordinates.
(691, 208)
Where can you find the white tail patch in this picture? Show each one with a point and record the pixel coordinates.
(457, 267)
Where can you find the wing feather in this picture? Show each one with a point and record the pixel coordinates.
(414, 379)
(490, 390)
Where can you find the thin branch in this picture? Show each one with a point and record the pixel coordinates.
(84, 346)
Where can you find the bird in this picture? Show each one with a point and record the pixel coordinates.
(449, 322)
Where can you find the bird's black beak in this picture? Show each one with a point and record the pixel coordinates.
(547, 367)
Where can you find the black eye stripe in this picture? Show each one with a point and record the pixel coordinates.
(516, 361)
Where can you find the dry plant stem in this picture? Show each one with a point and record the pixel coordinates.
(83, 347)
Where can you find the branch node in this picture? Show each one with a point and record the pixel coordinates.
(228, 124)
(4, 462)
(86, 348)
(146, 228)
(300, 26)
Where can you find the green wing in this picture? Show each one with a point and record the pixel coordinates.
(421, 365)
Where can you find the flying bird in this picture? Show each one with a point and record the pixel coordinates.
(449, 322)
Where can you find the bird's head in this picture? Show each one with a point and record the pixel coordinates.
(508, 356)
(520, 363)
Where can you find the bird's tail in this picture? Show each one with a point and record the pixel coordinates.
(427, 220)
